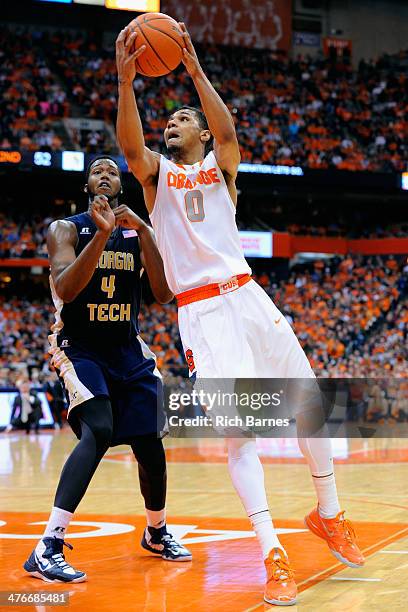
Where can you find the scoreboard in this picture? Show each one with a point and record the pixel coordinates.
(71, 161)
(76, 161)
(121, 5)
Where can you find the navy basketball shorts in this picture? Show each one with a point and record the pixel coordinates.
(125, 374)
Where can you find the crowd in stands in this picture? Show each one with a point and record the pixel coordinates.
(350, 220)
(387, 403)
(350, 315)
(93, 141)
(336, 309)
(23, 236)
(32, 96)
(302, 111)
(386, 350)
(338, 230)
(87, 69)
(24, 329)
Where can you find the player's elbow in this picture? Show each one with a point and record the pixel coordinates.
(163, 296)
(227, 137)
(129, 148)
(66, 294)
(135, 157)
(132, 154)
(66, 297)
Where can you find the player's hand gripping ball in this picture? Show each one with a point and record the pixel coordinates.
(164, 41)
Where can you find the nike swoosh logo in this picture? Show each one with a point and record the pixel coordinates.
(43, 566)
(277, 320)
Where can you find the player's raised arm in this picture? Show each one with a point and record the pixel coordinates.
(71, 274)
(218, 116)
(142, 161)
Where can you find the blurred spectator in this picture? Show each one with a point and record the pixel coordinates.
(24, 329)
(23, 236)
(377, 409)
(27, 410)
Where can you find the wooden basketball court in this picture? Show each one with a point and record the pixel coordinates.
(227, 572)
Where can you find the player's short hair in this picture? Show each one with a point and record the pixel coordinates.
(202, 120)
(95, 159)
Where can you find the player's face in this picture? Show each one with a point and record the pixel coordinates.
(104, 178)
(183, 131)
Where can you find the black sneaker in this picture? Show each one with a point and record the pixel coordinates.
(160, 542)
(50, 564)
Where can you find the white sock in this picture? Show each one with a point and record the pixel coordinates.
(247, 476)
(265, 531)
(318, 453)
(56, 526)
(326, 491)
(156, 518)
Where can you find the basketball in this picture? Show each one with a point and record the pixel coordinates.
(164, 42)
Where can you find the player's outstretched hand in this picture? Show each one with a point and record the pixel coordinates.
(125, 217)
(126, 56)
(102, 214)
(190, 59)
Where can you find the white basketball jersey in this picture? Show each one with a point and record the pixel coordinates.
(194, 222)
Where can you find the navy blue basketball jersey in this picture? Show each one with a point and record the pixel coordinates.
(107, 309)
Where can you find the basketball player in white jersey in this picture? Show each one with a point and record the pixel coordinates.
(228, 325)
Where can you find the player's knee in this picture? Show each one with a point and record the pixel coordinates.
(103, 434)
(239, 447)
(97, 416)
(150, 455)
(159, 458)
(157, 466)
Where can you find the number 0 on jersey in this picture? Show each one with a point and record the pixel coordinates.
(194, 201)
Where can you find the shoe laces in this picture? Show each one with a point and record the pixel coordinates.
(58, 557)
(165, 538)
(281, 569)
(169, 541)
(346, 528)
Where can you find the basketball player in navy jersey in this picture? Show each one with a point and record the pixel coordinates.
(109, 373)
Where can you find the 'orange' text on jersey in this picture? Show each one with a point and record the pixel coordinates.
(182, 181)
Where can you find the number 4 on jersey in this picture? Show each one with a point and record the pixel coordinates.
(108, 285)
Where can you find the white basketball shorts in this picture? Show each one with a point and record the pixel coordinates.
(240, 334)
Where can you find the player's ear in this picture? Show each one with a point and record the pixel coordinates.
(205, 136)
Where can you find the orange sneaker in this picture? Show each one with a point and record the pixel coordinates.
(280, 587)
(339, 535)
